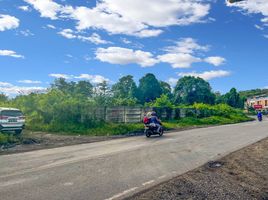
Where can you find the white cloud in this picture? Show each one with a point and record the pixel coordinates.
(264, 20)
(266, 36)
(124, 56)
(136, 17)
(94, 38)
(126, 41)
(259, 27)
(179, 60)
(29, 82)
(185, 52)
(139, 18)
(26, 33)
(93, 78)
(253, 7)
(5, 84)
(97, 19)
(172, 81)
(47, 8)
(16, 90)
(10, 53)
(158, 13)
(51, 26)
(207, 75)
(182, 55)
(10, 89)
(215, 60)
(65, 76)
(69, 55)
(186, 46)
(24, 8)
(67, 33)
(8, 22)
(148, 33)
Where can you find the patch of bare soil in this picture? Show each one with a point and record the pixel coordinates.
(240, 175)
(31, 141)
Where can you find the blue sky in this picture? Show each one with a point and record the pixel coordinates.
(41, 40)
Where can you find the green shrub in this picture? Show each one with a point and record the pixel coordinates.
(7, 138)
(3, 139)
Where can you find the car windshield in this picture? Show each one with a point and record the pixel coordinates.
(11, 113)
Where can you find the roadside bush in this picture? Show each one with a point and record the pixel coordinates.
(201, 110)
(7, 138)
(3, 139)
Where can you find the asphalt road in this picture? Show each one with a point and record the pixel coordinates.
(115, 169)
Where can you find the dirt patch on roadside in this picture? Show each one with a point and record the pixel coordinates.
(240, 175)
(31, 141)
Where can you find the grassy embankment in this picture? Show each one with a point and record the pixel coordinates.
(208, 115)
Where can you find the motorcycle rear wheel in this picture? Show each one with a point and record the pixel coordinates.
(148, 133)
(161, 132)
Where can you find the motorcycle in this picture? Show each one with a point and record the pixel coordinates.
(260, 118)
(151, 129)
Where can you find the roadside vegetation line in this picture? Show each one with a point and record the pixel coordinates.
(122, 193)
(80, 108)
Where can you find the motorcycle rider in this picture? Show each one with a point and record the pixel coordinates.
(155, 121)
(259, 115)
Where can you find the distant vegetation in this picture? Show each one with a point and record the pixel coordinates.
(252, 93)
(63, 107)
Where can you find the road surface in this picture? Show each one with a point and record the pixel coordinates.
(115, 169)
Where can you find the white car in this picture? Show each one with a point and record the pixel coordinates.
(11, 119)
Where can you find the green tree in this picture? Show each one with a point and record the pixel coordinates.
(125, 88)
(252, 93)
(64, 86)
(232, 98)
(83, 88)
(190, 90)
(3, 97)
(149, 88)
(219, 98)
(166, 89)
(102, 89)
(102, 94)
(124, 102)
(162, 101)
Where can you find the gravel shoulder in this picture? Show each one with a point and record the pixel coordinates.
(240, 175)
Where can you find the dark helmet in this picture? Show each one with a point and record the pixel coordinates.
(153, 113)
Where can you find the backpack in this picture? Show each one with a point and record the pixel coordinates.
(146, 120)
